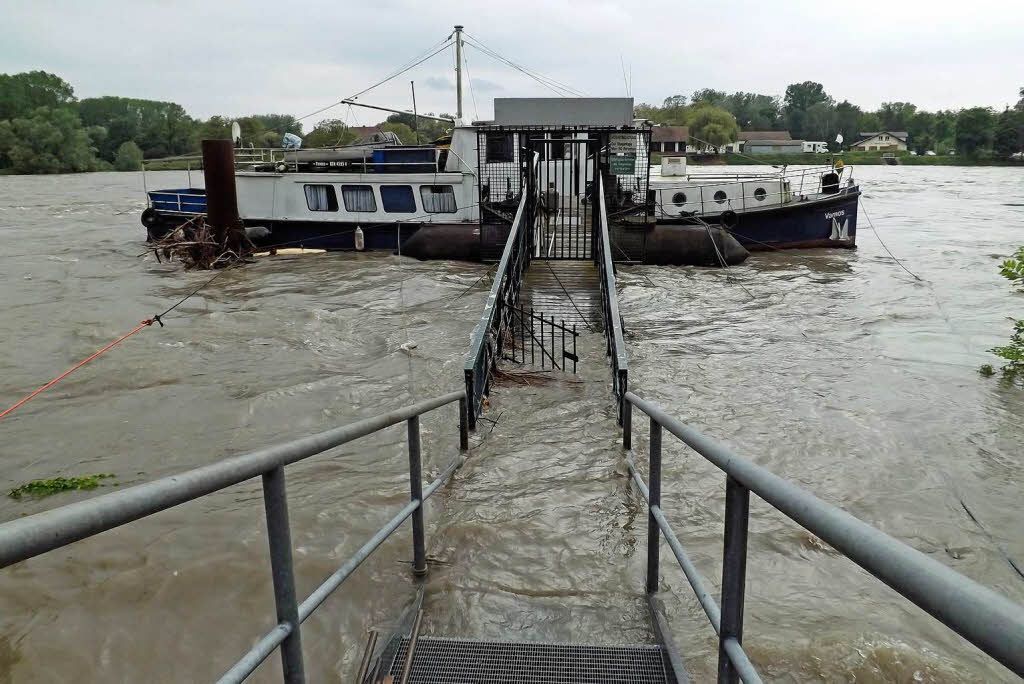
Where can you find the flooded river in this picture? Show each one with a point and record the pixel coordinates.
(836, 369)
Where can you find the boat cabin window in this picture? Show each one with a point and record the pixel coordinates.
(358, 198)
(760, 194)
(438, 199)
(679, 199)
(398, 199)
(500, 147)
(321, 198)
(720, 197)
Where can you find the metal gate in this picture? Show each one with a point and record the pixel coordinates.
(565, 185)
(534, 337)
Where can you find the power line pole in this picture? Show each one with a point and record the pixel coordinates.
(415, 118)
(458, 71)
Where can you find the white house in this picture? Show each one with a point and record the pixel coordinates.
(881, 141)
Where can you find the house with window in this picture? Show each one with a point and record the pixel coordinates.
(754, 137)
(669, 139)
(881, 141)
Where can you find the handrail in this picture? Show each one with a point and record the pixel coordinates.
(31, 536)
(507, 277)
(990, 621)
(616, 346)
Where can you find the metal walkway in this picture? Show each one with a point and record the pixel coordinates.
(465, 661)
(568, 290)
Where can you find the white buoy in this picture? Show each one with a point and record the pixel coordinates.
(360, 240)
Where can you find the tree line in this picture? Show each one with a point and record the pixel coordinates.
(808, 112)
(44, 128)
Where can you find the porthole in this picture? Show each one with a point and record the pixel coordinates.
(760, 194)
(720, 197)
(679, 199)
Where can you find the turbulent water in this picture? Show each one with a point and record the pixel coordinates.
(836, 369)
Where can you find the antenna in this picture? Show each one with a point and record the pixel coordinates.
(458, 71)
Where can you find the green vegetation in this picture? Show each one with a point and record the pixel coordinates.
(129, 157)
(976, 134)
(41, 488)
(1013, 353)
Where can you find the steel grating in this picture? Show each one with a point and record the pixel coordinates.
(463, 661)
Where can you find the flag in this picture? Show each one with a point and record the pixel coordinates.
(839, 138)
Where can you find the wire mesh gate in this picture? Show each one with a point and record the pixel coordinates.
(565, 184)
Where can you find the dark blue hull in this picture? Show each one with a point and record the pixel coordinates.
(829, 222)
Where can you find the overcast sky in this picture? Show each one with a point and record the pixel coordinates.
(235, 58)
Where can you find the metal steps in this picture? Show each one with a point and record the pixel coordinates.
(464, 661)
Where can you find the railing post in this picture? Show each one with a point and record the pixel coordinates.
(734, 574)
(276, 503)
(471, 398)
(419, 554)
(654, 487)
(627, 423)
(463, 425)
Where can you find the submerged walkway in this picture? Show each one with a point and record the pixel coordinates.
(567, 290)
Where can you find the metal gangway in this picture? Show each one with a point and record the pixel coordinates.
(990, 621)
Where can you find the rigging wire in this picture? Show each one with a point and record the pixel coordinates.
(551, 84)
(472, 94)
(447, 44)
(578, 93)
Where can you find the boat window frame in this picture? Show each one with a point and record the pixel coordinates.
(373, 197)
(721, 196)
(451, 191)
(384, 202)
(760, 194)
(679, 198)
(499, 147)
(332, 197)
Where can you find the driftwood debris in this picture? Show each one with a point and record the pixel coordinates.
(196, 246)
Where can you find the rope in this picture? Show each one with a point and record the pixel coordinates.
(559, 281)
(721, 258)
(875, 231)
(157, 318)
(144, 324)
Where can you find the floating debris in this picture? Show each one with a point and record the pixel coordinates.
(41, 488)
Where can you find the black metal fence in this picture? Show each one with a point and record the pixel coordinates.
(489, 336)
(531, 332)
(604, 259)
(992, 622)
(36, 534)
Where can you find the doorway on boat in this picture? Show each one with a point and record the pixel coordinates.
(564, 228)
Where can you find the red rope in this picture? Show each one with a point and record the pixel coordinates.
(144, 324)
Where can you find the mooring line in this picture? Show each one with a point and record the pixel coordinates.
(584, 318)
(879, 238)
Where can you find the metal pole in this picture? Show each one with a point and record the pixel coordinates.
(458, 71)
(463, 425)
(654, 486)
(419, 554)
(627, 425)
(276, 503)
(734, 574)
(415, 118)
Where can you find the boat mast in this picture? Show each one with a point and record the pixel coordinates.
(458, 71)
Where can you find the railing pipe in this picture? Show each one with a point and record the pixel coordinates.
(30, 536)
(275, 501)
(991, 622)
(419, 554)
(260, 652)
(653, 533)
(734, 574)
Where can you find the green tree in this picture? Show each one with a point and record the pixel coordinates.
(129, 157)
(712, 126)
(708, 96)
(329, 133)
(896, 116)
(819, 124)
(159, 128)
(280, 123)
(22, 94)
(1020, 102)
(799, 98)
(847, 121)
(754, 112)
(1009, 134)
(975, 129)
(402, 130)
(51, 140)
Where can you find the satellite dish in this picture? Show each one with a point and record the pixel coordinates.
(236, 133)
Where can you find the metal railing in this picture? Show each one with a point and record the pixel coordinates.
(604, 260)
(744, 192)
(34, 535)
(489, 334)
(992, 622)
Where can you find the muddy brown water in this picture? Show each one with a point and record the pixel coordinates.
(836, 369)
